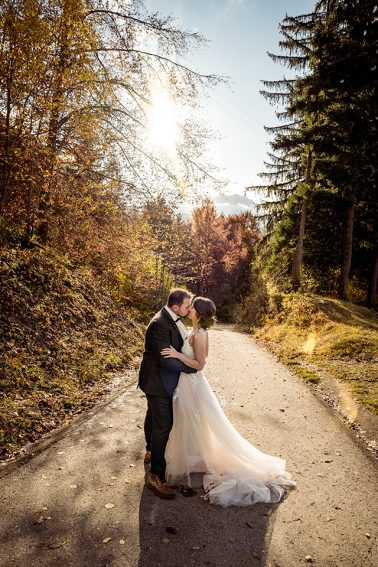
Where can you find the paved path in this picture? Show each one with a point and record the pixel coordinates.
(61, 507)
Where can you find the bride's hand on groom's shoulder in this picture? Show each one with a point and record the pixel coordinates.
(170, 352)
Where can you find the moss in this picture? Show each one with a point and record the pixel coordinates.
(306, 373)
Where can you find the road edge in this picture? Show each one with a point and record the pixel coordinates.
(31, 450)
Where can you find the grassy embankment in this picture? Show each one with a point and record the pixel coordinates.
(62, 337)
(316, 335)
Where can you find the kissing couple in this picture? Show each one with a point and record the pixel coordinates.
(189, 439)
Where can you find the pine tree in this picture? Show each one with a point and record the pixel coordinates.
(343, 88)
(289, 172)
(331, 109)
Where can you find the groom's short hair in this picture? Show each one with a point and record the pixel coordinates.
(176, 296)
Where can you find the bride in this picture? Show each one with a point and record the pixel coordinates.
(203, 445)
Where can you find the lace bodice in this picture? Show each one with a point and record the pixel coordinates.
(187, 349)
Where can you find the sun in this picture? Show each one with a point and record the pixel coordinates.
(162, 121)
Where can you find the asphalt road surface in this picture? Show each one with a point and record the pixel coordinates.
(81, 501)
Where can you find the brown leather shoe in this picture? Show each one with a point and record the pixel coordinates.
(160, 488)
(147, 458)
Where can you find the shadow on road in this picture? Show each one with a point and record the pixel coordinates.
(207, 535)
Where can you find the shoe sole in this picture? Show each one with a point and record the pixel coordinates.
(167, 497)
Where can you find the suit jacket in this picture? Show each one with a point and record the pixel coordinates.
(158, 376)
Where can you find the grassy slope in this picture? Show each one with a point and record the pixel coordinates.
(61, 337)
(316, 335)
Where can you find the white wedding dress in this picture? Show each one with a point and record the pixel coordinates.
(204, 447)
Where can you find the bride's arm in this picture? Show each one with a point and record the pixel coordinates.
(199, 347)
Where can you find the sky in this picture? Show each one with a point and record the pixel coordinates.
(240, 34)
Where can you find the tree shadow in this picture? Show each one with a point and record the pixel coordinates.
(349, 314)
(203, 534)
(57, 514)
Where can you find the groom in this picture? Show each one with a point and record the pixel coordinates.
(158, 378)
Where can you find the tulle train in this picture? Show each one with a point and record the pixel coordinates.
(204, 447)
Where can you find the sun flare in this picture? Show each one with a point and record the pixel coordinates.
(162, 121)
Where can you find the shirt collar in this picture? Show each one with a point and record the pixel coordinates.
(171, 313)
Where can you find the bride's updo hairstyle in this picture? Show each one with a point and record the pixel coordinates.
(205, 310)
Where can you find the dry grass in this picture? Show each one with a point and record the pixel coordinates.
(316, 335)
(61, 339)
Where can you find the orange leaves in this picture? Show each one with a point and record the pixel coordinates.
(222, 247)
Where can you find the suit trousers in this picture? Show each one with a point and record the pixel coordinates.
(157, 426)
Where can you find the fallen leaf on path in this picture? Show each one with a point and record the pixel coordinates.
(57, 544)
(109, 505)
(250, 525)
(171, 530)
(107, 539)
(196, 547)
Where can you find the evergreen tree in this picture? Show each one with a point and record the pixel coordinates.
(289, 172)
(332, 137)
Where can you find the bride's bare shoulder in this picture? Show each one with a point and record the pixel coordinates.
(200, 335)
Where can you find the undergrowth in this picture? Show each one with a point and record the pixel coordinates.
(317, 335)
(62, 337)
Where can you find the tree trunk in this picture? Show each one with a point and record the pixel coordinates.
(347, 252)
(372, 292)
(298, 254)
(54, 121)
(4, 160)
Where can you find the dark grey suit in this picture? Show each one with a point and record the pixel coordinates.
(158, 378)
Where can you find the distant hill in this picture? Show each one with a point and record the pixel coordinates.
(226, 204)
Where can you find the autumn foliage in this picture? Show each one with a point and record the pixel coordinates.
(89, 246)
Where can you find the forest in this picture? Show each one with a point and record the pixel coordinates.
(90, 234)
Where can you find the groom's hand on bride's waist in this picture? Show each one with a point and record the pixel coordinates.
(170, 352)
